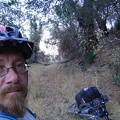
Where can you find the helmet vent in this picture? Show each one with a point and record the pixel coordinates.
(10, 34)
(2, 34)
(20, 35)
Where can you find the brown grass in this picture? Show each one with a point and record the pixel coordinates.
(53, 88)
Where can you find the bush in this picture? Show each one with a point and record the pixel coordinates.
(90, 57)
(117, 25)
(116, 74)
(116, 80)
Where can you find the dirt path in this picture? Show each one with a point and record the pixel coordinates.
(53, 88)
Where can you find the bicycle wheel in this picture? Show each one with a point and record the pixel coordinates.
(72, 109)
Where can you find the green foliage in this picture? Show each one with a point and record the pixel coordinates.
(117, 25)
(66, 9)
(84, 68)
(69, 43)
(90, 57)
(115, 71)
(116, 80)
(35, 34)
(11, 13)
(73, 71)
(12, 2)
(37, 95)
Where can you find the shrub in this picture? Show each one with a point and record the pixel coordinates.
(116, 74)
(116, 79)
(117, 25)
(90, 57)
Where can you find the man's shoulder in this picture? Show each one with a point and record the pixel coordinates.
(34, 115)
(29, 115)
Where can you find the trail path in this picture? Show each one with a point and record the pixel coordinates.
(53, 88)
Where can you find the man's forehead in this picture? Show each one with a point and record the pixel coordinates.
(12, 53)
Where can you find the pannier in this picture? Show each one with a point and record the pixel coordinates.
(87, 95)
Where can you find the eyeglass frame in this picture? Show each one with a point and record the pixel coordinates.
(26, 66)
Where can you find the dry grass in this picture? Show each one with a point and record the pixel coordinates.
(53, 88)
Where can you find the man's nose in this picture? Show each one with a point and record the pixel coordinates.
(12, 76)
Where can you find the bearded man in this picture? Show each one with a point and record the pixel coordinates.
(14, 50)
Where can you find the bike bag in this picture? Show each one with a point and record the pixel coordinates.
(87, 95)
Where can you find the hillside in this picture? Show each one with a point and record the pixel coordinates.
(53, 88)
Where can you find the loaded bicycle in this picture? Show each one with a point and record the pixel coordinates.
(90, 103)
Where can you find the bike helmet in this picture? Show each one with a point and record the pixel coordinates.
(11, 39)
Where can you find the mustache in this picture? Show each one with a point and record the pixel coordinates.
(12, 88)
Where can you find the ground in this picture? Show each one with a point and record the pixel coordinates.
(53, 88)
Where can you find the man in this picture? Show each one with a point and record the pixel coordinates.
(14, 50)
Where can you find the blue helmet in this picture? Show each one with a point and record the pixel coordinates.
(11, 40)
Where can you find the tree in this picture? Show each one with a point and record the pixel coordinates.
(73, 12)
(69, 44)
(91, 14)
(11, 13)
(35, 34)
(86, 16)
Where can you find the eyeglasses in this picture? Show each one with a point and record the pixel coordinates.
(19, 68)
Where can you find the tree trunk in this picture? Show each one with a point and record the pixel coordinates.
(91, 39)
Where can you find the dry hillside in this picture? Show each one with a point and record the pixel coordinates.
(53, 88)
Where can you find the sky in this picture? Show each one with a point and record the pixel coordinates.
(51, 49)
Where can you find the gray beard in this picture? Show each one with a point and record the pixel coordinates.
(15, 107)
(13, 104)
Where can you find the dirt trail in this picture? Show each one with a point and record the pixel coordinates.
(53, 88)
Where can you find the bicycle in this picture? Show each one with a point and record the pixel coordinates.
(90, 103)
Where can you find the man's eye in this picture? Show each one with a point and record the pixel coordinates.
(20, 65)
(2, 68)
(20, 68)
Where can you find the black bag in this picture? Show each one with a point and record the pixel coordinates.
(86, 95)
